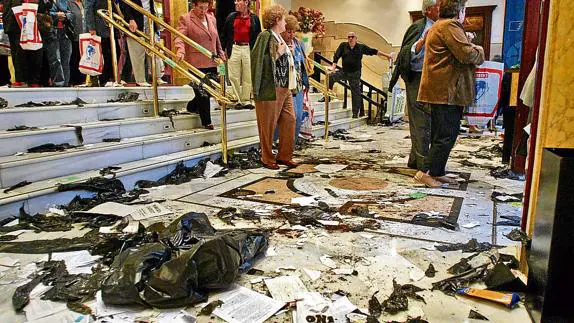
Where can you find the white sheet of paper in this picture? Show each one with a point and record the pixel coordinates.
(471, 225)
(311, 305)
(343, 271)
(327, 261)
(12, 223)
(106, 310)
(328, 223)
(112, 208)
(312, 274)
(330, 168)
(17, 232)
(64, 316)
(8, 261)
(304, 200)
(149, 211)
(77, 262)
(211, 170)
(341, 307)
(285, 288)
(37, 308)
(132, 227)
(242, 305)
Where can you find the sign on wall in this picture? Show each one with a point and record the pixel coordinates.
(513, 29)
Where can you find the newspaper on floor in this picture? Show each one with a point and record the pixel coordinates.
(211, 170)
(242, 305)
(137, 212)
(64, 316)
(285, 288)
(103, 310)
(330, 168)
(77, 262)
(147, 211)
(304, 200)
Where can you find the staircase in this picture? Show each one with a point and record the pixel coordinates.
(148, 148)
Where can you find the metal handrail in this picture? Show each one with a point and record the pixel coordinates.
(143, 40)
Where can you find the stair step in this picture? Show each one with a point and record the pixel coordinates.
(16, 96)
(41, 194)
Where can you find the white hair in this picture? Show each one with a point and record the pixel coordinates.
(427, 4)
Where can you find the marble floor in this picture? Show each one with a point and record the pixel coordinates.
(395, 249)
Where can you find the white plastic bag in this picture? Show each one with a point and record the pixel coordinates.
(4, 42)
(91, 58)
(307, 118)
(26, 16)
(488, 82)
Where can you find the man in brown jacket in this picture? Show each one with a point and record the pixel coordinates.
(447, 84)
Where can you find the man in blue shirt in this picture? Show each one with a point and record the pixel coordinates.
(409, 67)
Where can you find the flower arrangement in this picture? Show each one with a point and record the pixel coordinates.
(310, 20)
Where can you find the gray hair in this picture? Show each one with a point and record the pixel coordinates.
(427, 4)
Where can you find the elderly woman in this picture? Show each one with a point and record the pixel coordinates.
(296, 47)
(200, 26)
(447, 85)
(274, 77)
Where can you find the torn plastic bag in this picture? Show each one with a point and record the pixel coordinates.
(184, 230)
(154, 275)
(181, 174)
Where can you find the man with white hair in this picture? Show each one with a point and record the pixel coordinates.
(409, 67)
(352, 53)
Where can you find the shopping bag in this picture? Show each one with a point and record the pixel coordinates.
(91, 58)
(26, 15)
(4, 42)
(488, 83)
(307, 118)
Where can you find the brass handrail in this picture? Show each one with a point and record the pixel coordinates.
(327, 93)
(222, 100)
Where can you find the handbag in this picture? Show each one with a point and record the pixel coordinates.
(45, 22)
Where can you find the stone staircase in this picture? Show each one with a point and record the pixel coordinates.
(148, 147)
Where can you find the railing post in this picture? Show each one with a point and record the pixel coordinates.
(113, 44)
(223, 113)
(153, 69)
(327, 103)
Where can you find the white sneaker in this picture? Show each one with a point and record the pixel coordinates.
(160, 82)
(144, 84)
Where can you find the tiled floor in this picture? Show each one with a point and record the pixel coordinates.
(393, 251)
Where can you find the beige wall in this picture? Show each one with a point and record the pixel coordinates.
(390, 18)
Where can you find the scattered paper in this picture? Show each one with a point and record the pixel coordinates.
(38, 308)
(416, 274)
(298, 227)
(149, 211)
(244, 305)
(17, 232)
(328, 223)
(270, 252)
(471, 225)
(327, 261)
(8, 262)
(54, 210)
(111, 208)
(211, 170)
(132, 227)
(107, 310)
(312, 274)
(278, 270)
(506, 198)
(304, 200)
(341, 307)
(258, 280)
(12, 223)
(285, 288)
(312, 307)
(330, 168)
(77, 262)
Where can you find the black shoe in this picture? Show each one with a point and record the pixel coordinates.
(321, 99)
(249, 106)
(362, 114)
(355, 116)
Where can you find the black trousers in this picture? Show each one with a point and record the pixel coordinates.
(419, 125)
(108, 71)
(354, 80)
(27, 63)
(4, 71)
(509, 113)
(76, 77)
(445, 126)
(201, 103)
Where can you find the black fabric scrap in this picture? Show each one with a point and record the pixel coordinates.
(78, 132)
(418, 319)
(19, 185)
(110, 170)
(167, 113)
(244, 160)
(341, 134)
(460, 267)
(181, 174)
(433, 220)
(398, 301)
(505, 172)
(331, 192)
(450, 285)
(3, 103)
(518, 235)
(471, 246)
(126, 97)
(227, 215)
(375, 308)
(430, 272)
(22, 128)
(501, 278)
(50, 148)
(209, 308)
(476, 316)
(111, 140)
(79, 102)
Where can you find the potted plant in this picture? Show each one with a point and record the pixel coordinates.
(311, 23)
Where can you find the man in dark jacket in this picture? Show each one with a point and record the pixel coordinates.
(409, 67)
(240, 31)
(137, 51)
(96, 25)
(352, 54)
(27, 63)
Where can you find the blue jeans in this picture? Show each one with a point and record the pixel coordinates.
(59, 51)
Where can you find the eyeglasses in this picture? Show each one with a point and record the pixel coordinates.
(350, 37)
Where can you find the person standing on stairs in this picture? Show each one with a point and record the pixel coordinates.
(447, 84)
(352, 52)
(77, 9)
(409, 67)
(274, 77)
(240, 31)
(136, 51)
(200, 27)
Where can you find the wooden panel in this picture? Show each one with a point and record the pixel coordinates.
(514, 90)
(478, 20)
